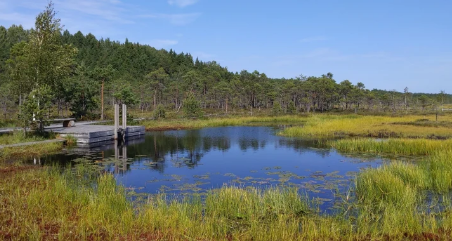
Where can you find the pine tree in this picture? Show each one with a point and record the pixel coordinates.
(192, 107)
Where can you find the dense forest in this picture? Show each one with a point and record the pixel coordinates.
(77, 69)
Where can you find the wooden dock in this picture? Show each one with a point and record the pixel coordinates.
(87, 134)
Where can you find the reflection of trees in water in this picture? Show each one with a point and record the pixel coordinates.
(302, 146)
(255, 144)
(187, 148)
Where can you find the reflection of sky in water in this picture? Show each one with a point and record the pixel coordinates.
(189, 160)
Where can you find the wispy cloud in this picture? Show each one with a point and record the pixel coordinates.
(100, 17)
(182, 3)
(175, 19)
(313, 39)
(111, 10)
(162, 43)
(203, 55)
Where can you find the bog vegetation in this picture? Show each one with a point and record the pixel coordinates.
(83, 76)
(400, 201)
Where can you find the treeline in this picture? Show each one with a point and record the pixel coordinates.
(147, 78)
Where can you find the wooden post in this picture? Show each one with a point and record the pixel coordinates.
(116, 121)
(124, 119)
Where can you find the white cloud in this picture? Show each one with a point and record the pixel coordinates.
(162, 43)
(175, 19)
(103, 9)
(100, 17)
(203, 55)
(182, 3)
(313, 39)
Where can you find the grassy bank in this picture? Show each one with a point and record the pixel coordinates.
(174, 124)
(19, 137)
(331, 126)
(328, 125)
(45, 204)
(405, 147)
(29, 152)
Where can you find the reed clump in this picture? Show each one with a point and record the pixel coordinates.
(71, 140)
(399, 180)
(438, 168)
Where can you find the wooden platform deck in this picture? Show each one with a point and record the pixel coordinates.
(86, 134)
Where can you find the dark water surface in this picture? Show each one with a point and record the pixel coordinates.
(199, 160)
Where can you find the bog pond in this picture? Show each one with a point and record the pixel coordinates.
(200, 160)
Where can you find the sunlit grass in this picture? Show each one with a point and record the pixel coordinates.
(406, 147)
(216, 122)
(330, 126)
(18, 137)
(46, 204)
(29, 152)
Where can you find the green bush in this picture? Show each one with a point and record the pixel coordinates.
(159, 112)
(192, 107)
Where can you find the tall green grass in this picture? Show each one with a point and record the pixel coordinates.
(331, 126)
(18, 137)
(410, 147)
(82, 205)
(399, 180)
(28, 152)
(214, 122)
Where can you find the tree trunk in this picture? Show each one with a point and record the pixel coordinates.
(102, 101)
(155, 98)
(226, 107)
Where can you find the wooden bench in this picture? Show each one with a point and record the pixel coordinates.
(67, 122)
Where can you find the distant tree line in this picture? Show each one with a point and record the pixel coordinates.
(81, 69)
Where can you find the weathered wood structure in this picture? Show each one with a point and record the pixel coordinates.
(87, 134)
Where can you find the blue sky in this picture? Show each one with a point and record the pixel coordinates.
(386, 44)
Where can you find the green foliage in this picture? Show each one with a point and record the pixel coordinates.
(425, 101)
(81, 92)
(35, 108)
(159, 112)
(123, 93)
(291, 109)
(192, 106)
(43, 59)
(277, 110)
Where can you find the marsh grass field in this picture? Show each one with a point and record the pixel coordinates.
(44, 204)
(401, 200)
(333, 126)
